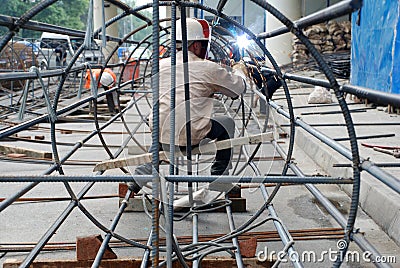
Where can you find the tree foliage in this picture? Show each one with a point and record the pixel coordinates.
(132, 22)
(67, 13)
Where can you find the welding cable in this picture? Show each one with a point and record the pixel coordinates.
(211, 206)
(242, 132)
(211, 251)
(232, 235)
(194, 246)
(179, 255)
(198, 247)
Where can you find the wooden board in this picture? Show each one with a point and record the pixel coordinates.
(7, 149)
(163, 155)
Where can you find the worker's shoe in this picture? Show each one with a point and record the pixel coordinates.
(221, 167)
(133, 186)
(145, 169)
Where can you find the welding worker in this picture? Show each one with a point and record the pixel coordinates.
(206, 78)
(107, 80)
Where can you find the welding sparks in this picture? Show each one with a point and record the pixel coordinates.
(242, 41)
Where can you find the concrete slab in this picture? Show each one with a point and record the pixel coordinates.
(27, 222)
(376, 199)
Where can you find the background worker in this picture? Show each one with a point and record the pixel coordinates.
(206, 78)
(107, 80)
(61, 56)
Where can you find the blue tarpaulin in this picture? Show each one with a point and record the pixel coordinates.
(376, 46)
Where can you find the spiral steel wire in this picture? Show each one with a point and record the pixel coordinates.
(60, 80)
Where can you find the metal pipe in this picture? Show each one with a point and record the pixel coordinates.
(108, 236)
(376, 164)
(360, 240)
(335, 11)
(235, 241)
(386, 178)
(375, 96)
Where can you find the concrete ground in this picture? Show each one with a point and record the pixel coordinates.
(26, 222)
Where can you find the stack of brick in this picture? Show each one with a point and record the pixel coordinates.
(327, 38)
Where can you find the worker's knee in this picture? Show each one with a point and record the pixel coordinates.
(227, 123)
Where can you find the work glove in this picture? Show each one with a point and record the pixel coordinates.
(241, 70)
(265, 80)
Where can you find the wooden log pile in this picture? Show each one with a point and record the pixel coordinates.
(326, 37)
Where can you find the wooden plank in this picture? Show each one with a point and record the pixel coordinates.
(206, 148)
(7, 149)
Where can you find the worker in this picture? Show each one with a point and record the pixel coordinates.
(61, 56)
(107, 80)
(206, 78)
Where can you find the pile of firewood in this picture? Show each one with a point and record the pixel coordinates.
(327, 38)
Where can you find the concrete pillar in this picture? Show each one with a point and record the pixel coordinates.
(112, 30)
(281, 46)
(110, 12)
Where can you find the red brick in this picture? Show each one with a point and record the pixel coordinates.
(87, 248)
(248, 247)
(122, 189)
(39, 137)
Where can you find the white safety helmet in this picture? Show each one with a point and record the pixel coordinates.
(197, 30)
(106, 79)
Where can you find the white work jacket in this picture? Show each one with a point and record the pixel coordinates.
(205, 79)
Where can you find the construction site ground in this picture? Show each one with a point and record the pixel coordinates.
(24, 223)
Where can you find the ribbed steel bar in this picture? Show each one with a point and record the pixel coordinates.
(9, 21)
(54, 227)
(188, 128)
(4, 204)
(44, 118)
(155, 84)
(170, 204)
(177, 178)
(23, 19)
